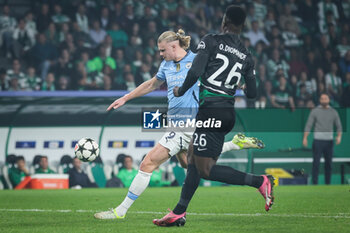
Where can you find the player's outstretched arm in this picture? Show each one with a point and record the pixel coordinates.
(197, 69)
(143, 89)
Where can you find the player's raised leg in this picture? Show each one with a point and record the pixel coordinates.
(208, 169)
(240, 141)
(245, 142)
(158, 155)
(204, 156)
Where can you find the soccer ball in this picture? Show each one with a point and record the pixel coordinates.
(86, 150)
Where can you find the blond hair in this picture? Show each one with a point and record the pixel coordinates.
(170, 36)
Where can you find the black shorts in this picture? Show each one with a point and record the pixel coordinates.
(208, 142)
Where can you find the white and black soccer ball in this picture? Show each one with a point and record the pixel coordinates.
(86, 150)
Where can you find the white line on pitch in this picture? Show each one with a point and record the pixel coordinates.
(301, 215)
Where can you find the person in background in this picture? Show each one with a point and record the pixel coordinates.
(127, 174)
(275, 63)
(63, 83)
(255, 35)
(30, 23)
(7, 26)
(49, 83)
(281, 96)
(118, 35)
(17, 173)
(58, 17)
(16, 71)
(43, 18)
(77, 177)
(82, 19)
(14, 85)
(346, 91)
(323, 118)
(97, 33)
(31, 82)
(334, 83)
(4, 80)
(156, 179)
(43, 55)
(44, 166)
(23, 40)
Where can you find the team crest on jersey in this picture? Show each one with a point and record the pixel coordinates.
(201, 45)
(188, 65)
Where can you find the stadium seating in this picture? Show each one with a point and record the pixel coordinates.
(65, 164)
(98, 172)
(119, 163)
(35, 164)
(10, 162)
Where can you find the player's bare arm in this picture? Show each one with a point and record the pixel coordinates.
(141, 90)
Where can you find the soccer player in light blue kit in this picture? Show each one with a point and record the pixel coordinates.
(173, 70)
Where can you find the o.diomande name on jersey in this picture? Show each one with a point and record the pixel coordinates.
(232, 50)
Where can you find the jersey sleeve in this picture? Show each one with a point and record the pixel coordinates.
(199, 63)
(161, 74)
(206, 45)
(249, 78)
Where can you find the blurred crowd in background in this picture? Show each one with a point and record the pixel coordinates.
(301, 47)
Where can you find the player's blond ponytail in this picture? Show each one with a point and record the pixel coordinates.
(180, 35)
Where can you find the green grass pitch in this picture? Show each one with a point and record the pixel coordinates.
(213, 209)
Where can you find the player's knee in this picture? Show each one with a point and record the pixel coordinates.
(182, 158)
(203, 173)
(184, 165)
(148, 165)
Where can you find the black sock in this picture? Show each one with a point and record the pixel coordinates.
(188, 189)
(231, 176)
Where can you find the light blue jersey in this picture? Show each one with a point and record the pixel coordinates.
(174, 73)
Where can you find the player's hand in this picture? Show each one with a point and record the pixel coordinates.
(338, 140)
(176, 91)
(23, 169)
(116, 104)
(305, 142)
(26, 172)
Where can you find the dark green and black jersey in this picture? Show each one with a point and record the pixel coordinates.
(221, 62)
